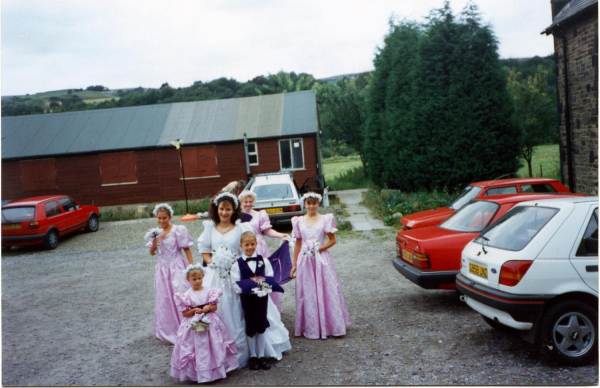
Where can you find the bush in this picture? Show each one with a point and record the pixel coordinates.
(351, 179)
(385, 203)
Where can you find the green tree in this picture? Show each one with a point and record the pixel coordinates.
(535, 110)
(343, 112)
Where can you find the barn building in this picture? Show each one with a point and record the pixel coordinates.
(575, 30)
(125, 156)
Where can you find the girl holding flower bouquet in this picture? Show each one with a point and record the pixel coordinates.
(168, 240)
(320, 307)
(204, 350)
(219, 245)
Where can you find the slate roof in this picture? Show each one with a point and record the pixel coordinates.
(573, 8)
(199, 122)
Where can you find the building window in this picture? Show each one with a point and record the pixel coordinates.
(118, 169)
(253, 153)
(38, 175)
(291, 154)
(200, 162)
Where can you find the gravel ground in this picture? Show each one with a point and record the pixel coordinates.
(82, 315)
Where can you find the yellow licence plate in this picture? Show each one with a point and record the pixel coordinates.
(11, 226)
(406, 255)
(478, 270)
(274, 210)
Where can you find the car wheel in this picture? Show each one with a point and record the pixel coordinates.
(51, 240)
(496, 325)
(93, 224)
(570, 333)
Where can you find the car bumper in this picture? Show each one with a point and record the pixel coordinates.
(517, 311)
(24, 240)
(426, 279)
(284, 217)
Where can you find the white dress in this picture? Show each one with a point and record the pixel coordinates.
(230, 305)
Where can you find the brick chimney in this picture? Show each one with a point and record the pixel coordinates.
(557, 6)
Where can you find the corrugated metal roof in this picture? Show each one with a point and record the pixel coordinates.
(573, 8)
(198, 122)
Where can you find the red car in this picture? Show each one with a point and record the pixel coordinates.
(430, 257)
(480, 190)
(41, 220)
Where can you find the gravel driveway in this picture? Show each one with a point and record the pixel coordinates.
(82, 315)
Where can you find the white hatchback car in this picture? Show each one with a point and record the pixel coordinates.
(277, 194)
(536, 270)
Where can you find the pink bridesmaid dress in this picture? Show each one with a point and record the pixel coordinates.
(205, 356)
(260, 222)
(320, 307)
(169, 279)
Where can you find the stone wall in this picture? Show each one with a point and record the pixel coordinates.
(582, 63)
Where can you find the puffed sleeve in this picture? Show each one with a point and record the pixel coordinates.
(264, 223)
(329, 224)
(182, 301)
(296, 227)
(204, 243)
(235, 276)
(184, 240)
(213, 295)
(244, 226)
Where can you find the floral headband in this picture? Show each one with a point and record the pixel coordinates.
(247, 193)
(163, 205)
(218, 197)
(192, 267)
(311, 195)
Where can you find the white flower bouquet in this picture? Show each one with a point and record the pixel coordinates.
(310, 248)
(222, 261)
(199, 323)
(263, 288)
(152, 234)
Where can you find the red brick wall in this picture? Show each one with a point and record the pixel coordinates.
(158, 175)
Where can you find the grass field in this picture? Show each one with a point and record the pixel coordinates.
(548, 157)
(545, 155)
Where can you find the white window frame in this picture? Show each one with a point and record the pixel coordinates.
(253, 153)
(291, 156)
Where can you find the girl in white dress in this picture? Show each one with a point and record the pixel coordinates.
(221, 241)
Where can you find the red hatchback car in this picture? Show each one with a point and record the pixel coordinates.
(41, 220)
(430, 257)
(481, 190)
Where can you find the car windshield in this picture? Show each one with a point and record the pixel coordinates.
(514, 230)
(464, 197)
(471, 218)
(276, 191)
(18, 214)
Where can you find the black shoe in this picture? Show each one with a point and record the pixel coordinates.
(263, 362)
(253, 363)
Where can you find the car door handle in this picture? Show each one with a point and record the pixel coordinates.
(591, 268)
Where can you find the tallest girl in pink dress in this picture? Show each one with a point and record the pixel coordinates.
(320, 307)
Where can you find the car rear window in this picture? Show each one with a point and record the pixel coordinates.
(18, 214)
(464, 197)
(276, 191)
(538, 189)
(473, 217)
(514, 230)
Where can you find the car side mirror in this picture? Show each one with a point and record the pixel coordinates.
(77, 207)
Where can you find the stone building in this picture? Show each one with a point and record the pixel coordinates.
(575, 30)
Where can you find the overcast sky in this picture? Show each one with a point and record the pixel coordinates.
(62, 44)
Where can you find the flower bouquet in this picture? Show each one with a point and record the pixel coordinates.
(199, 323)
(310, 248)
(263, 288)
(152, 234)
(222, 261)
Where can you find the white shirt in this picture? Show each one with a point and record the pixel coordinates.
(236, 274)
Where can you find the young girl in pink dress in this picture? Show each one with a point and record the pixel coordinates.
(207, 353)
(168, 273)
(262, 225)
(320, 307)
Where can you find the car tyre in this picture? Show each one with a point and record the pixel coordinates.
(496, 325)
(51, 240)
(93, 224)
(569, 333)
